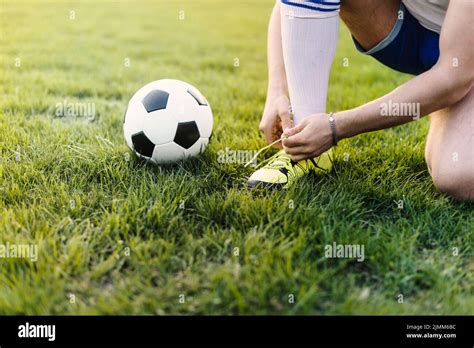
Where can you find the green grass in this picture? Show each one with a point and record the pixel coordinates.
(70, 186)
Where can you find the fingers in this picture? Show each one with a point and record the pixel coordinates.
(285, 119)
(295, 130)
(266, 129)
(297, 150)
(263, 126)
(299, 153)
(295, 136)
(276, 118)
(295, 140)
(276, 134)
(271, 133)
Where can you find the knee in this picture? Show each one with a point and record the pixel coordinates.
(459, 184)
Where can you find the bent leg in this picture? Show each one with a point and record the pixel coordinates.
(309, 38)
(450, 149)
(369, 21)
(450, 146)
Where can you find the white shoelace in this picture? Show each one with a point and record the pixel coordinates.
(263, 149)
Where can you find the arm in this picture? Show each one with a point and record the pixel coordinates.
(277, 83)
(276, 115)
(441, 86)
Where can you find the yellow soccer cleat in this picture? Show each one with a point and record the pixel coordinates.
(281, 171)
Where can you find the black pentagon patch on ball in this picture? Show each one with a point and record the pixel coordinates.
(187, 134)
(156, 100)
(142, 144)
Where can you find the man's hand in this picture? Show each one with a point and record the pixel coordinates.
(276, 118)
(308, 139)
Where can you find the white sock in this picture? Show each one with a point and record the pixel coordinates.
(310, 31)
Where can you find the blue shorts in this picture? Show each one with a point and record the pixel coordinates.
(409, 48)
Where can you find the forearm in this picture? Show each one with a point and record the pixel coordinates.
(277, 83)
(428, 92)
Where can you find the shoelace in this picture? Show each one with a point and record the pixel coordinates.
(263, 149)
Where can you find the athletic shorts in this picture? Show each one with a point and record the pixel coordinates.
(409, 48)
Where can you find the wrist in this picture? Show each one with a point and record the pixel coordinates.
(344, 124)
(277, 87)
(276, 92)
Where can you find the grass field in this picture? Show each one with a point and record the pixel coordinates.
(118, 236)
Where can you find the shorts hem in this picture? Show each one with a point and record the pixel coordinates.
(388, 39)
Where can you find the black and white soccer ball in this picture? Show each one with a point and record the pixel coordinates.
(167, 121)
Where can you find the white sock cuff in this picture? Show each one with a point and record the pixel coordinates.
(309, 8)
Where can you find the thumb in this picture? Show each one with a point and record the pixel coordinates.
(285, 119)
(295, 130)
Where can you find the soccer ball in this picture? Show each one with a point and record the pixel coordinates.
(167, 121)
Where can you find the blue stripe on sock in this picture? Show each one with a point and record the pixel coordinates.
(322, 2)
(287, 2)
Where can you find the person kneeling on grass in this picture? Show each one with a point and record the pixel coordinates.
(431, 39)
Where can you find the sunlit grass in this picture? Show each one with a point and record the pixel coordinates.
(125, 237)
